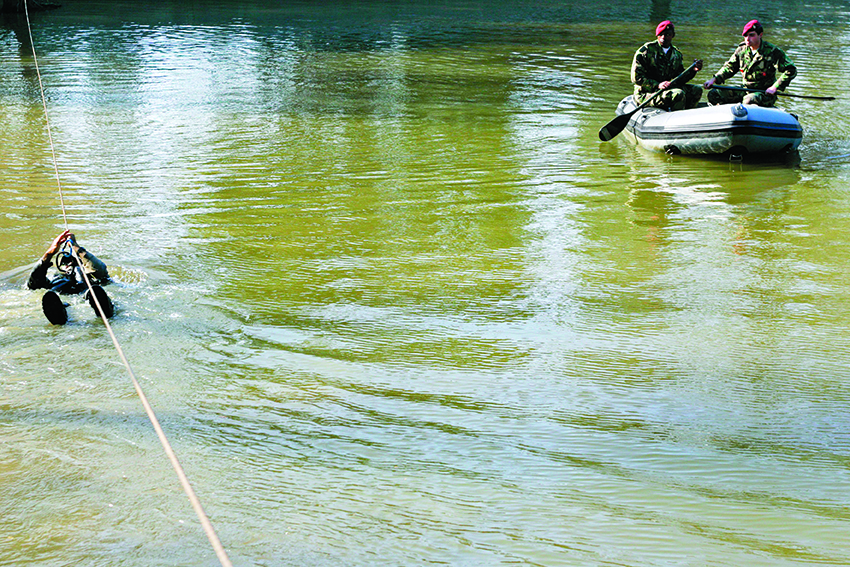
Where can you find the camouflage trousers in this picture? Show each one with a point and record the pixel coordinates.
(718, 96)
(673, 99)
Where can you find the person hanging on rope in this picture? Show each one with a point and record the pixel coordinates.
(62, 254)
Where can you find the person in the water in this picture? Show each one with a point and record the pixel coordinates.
(62, 255)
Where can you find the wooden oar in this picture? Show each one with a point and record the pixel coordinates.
(617, 124)
(745, 89)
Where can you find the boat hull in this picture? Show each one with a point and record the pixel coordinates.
(723, 129)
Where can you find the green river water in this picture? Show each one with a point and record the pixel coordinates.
(394, 302)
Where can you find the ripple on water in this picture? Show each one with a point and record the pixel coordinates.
(394, 303)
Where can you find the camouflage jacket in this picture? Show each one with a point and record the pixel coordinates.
(652, 66)
(759, 69)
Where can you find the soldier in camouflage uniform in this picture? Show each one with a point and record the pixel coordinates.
(655, 64)
(763, 65)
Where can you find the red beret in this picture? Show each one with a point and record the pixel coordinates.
(752, 25)
(665, 25)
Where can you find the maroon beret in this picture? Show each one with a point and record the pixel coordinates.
(752, 25)
(665, 25)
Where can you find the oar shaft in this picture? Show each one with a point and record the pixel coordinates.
(616, 125)
(749, 90)
(673, 84)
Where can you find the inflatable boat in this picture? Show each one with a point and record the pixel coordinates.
(734, 129)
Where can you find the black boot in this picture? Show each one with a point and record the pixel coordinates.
(53, 308)
(102, 298)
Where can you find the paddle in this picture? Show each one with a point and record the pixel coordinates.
(619, 123)
(745, 89)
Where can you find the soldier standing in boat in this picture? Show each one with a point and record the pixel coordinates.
(655, 64)
(764, 66)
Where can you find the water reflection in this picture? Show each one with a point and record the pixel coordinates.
(668, 195)
(17, 25)
(660, 11)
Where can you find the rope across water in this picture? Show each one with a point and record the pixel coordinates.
(169, 451)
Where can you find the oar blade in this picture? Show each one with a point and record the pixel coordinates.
(614, 127)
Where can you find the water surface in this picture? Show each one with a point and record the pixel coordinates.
(395, 303)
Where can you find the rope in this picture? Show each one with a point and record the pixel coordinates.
(46, 120)
(181, 475)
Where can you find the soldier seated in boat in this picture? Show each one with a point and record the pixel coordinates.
(655, 64)
(62, 254)
(764, 67)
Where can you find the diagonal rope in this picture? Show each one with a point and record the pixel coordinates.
(172, 456)
(46, 121)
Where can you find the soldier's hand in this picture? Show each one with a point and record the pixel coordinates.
(664, 86)
(56, 244)
(698, 65)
